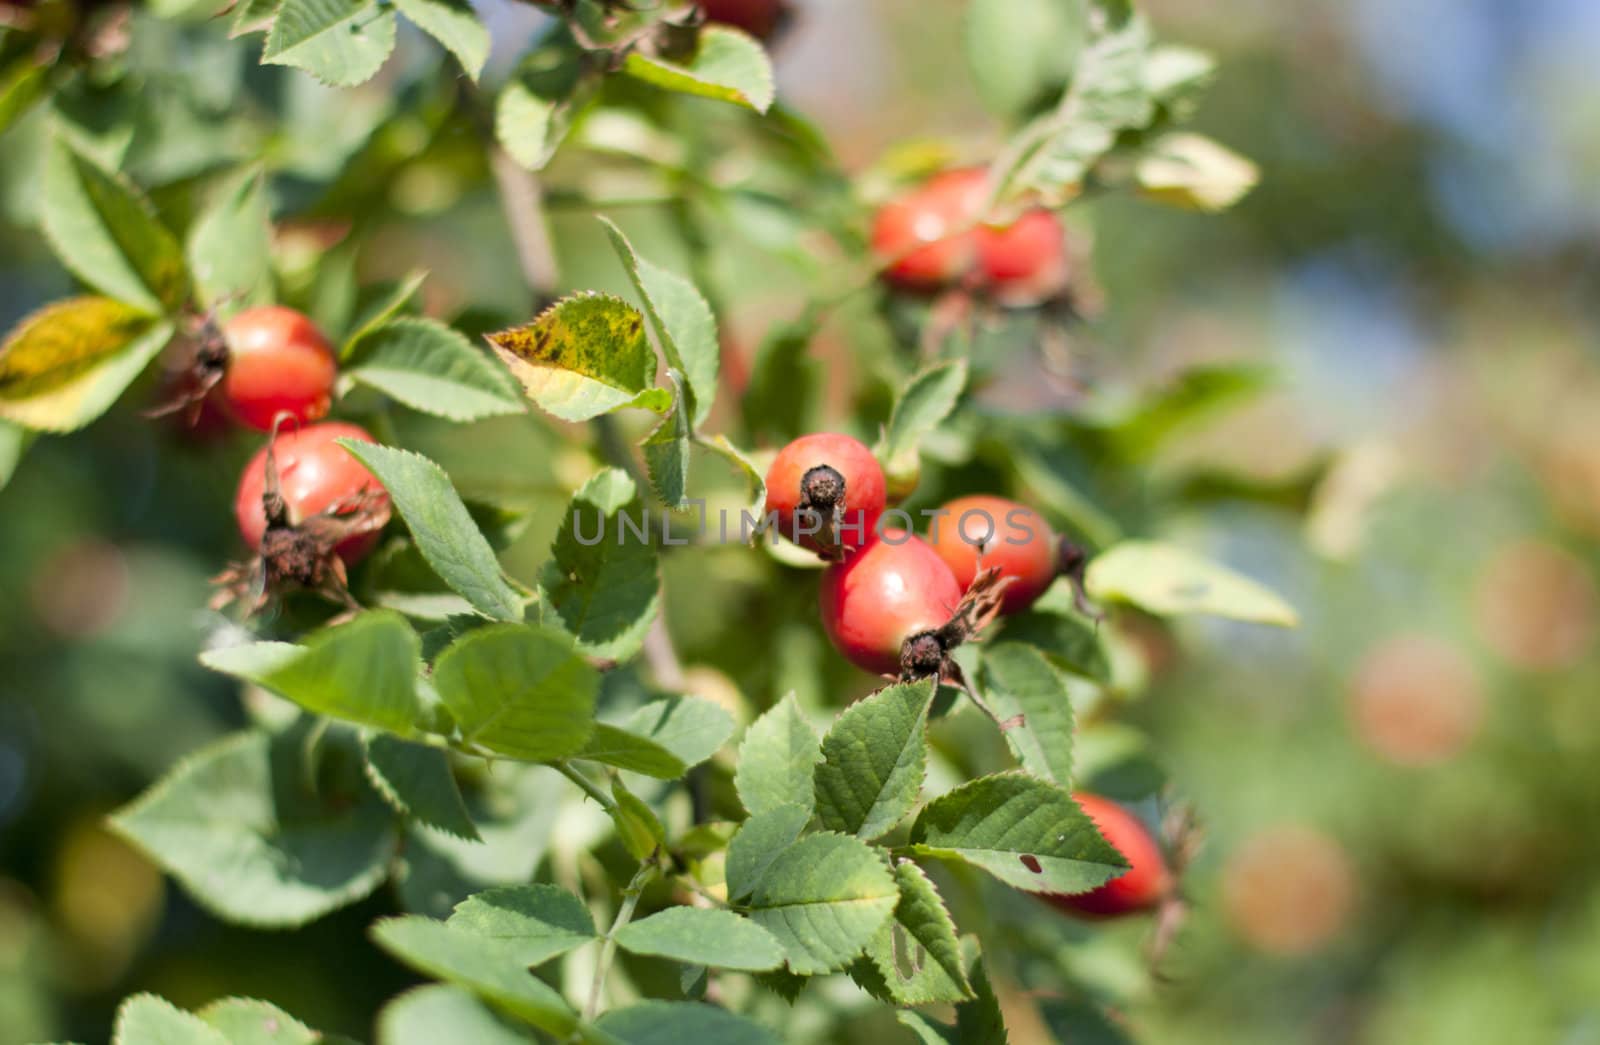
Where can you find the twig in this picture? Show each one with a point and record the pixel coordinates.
(590, 788)
(523, 203)
(608, 949)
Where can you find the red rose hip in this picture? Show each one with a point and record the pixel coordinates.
(314, 474)
(278, 363)
(974, 533)
(928, 236)
(881, 595)
(1146, 882)
(827, 492)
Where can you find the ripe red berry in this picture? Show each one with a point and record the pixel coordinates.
(1147, 881)
(932, 237)
(974, 533)
(314, 475)
(928, 235)
(759, 18)
(833, 476)
(881, 595)
(278, 362)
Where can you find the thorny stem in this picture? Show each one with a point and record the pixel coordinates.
(590, 788)
(608, 948)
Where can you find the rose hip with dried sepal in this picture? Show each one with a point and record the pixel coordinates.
(827, 491)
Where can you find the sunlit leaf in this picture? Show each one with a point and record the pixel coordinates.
(584, 356)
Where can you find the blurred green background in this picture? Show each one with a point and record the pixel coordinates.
(1400, 802)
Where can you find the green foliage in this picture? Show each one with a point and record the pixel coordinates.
(1168, 580)
(534, 922)
(824, 898)
(703, 937)
(726, 65)
(1030, 700)
(778, 760)
(873, 760)
(518, 690)
(429, 367)
(583, 357)
(417, 781)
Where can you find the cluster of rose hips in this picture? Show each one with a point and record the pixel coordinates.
(937, 236)
(305, 506)
(895, 604)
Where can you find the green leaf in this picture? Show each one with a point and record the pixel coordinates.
(681, 320)
(230, 245)
(235, 824)
(535, 109)
(381, 303)
(488, 968)
(703, 936)
(758, 843)
(417, 781)
(247, 1021)
(429, 367)
(14, 441)
(584, 356)
(979, 1021)
(1051, 155)
(144, 1019)
(873, 761)
(442, 527)
(1025, 831)
(1035, 712)
(453, 24)
(340, 42)
(64, 365)
(1061, 632)
(602, 583)
(824, 898)
(778, 759)
(755, 480)
(1192, 171)
(362, 671)
(638, 827)
(519, 691)
(666, 452)
(728, 66)
(106, 232)
(533, 922)
(440, 1013)
(678, 1022)
(928, 1031)
(618, 747)
(252, 16)
(1021, 52)
(690, 728)
(916, 958)
(1167, 580)
(22, 83)
(926, 401)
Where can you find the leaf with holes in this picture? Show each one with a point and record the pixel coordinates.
(584, 356)
(916, 958)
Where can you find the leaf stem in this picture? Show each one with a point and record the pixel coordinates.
(608, 948)
(590, 788)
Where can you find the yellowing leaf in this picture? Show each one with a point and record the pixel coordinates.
(65, 364)
(584, 356)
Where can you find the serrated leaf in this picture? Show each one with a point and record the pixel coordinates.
(1024, 830)
(638, 827)
(429, 367)
(681, 320)
(778, 760)
(703, 936)
(519, 690)
(727, 65)
(625, 750)
(666, 452)
(691, 728)
(677, 1022)
(533, 922)
(486, 967)
(416, 780)
(252, 16)
(106, 232)
(1021, 52)
(916, 958)
(362, 671)
(247, 1021)
(979, 1021)
(928, 1031)
(1167, 580)
(235, 824)
(602, 583)
(340, 42)
(439, 1013)
(873, 761)
(1192, 171)
(442, 527)
(926, 401)
(64, 365)
(145, 1019)
(1035, 712)
(1061, 632)
(230, 246)
(453, 24)
(535, 109)
(758, 842)
(381, 302)
(824, 898)
(584, 356)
